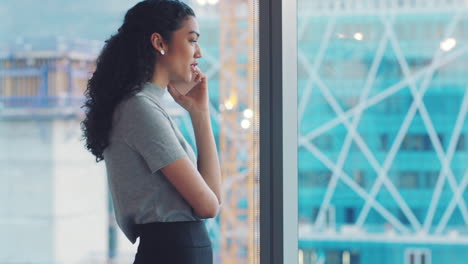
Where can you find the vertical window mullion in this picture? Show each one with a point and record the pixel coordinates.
(290, 131)
(278, 131)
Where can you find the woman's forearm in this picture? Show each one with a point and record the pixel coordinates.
(208, 162)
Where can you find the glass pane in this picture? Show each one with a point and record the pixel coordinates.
(54, 198)
(382, 106)
(230, 49)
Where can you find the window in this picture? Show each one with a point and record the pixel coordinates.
(383, 142)
(343, 257)
(413, 142)
(334, 257)
(314, 178)
(418, 256)
(43, 74)
(376, 71)
(329, 217)
(461, 144)
(430, 178)
(350, 215)
(408, 179)
(359, 177)
(428, 146)
(419, 142)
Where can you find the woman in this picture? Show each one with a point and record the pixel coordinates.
(160, 191)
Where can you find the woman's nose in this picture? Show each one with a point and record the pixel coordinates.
(198, 53)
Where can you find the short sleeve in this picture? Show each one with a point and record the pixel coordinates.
(151, 134)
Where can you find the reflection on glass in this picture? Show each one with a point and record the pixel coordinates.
(382, 106)
(53, 197)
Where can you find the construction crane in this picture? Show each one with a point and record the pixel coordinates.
(237, 142)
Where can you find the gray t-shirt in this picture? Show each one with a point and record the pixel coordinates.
(143, 140)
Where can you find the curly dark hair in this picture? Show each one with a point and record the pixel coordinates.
(125, 63)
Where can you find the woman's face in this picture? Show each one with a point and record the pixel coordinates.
(183, 51)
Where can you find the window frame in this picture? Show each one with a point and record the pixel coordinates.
(278, 131)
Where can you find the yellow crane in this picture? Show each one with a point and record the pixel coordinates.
(238, 144)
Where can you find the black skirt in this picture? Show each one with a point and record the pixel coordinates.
(174, 243)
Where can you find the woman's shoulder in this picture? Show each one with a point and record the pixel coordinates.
(139, 101)
(135, 111)
(139, 105)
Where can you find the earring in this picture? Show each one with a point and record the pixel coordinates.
(162, 52)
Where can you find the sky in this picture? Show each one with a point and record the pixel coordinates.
(89, 19)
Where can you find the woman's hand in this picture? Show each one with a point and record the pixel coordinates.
(192, 99)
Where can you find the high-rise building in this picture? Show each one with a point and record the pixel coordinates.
(53, 207)
(382, 132)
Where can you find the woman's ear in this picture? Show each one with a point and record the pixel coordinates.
(158, 43)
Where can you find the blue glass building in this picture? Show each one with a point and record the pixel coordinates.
(382, 133)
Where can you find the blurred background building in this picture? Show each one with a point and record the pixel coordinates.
(50, 187)
(382, 145)
(382, 132)
(55, 199)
